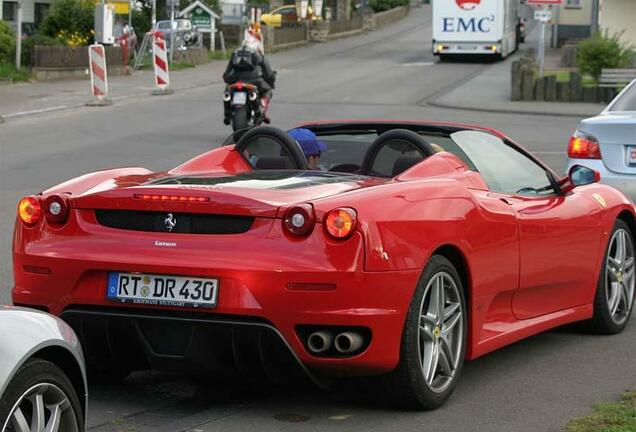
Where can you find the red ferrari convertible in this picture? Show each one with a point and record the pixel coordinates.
(414, 247)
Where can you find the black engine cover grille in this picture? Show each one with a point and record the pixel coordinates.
(181, 223)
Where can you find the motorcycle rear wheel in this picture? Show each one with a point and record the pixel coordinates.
(239, 118)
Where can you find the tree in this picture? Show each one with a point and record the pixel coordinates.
(602, 51)
(68, 18)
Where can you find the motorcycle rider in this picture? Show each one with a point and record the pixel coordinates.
(249, 65)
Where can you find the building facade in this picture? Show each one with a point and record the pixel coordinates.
(619, 16)
(576, 19)
(33, 12)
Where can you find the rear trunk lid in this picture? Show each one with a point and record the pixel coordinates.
(254, 194)
(616, 134)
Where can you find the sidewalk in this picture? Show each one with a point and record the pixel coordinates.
(489, 91)
(23, 99)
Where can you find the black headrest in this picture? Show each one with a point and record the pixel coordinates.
(274, 162)
(403, 163)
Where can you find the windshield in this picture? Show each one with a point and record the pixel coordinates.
(627, 101)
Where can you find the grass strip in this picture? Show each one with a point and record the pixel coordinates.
(612, 417)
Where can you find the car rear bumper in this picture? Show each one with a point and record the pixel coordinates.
(263, 301)
(626, 183)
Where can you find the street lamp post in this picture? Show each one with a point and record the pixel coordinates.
(18, 35)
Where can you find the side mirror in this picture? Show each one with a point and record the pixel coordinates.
(580, 175)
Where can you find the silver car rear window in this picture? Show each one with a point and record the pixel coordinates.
(627, 101)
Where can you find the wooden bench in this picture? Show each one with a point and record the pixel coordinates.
(616, 77)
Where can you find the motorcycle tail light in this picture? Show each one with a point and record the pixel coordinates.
(582, 146)
(30, 210)
(341, 223)
(253, 96)
(300, 220)
(56, 209)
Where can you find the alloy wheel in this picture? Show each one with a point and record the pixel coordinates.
(440, 331)
(619, 276)
(42, 408)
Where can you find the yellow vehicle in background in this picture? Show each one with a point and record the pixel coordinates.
(284, 14)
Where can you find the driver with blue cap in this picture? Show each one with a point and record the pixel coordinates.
(312, 147)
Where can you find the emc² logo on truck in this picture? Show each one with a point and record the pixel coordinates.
(465, 24)
(468, 4)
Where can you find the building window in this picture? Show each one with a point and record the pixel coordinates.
(573, 4)
(40, 11)
(9, 10)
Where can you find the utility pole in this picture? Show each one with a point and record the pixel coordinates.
(174, 29)
(18, 35)
(154, 14)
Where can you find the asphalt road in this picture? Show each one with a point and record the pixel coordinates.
(534, 385)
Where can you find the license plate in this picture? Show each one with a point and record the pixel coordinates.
(239, 98)
(631, 155)
(162, 290)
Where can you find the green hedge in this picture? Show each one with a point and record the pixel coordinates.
(7, 43)
(602, 51)
(383, 5)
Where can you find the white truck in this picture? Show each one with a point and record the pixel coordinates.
(475, 27)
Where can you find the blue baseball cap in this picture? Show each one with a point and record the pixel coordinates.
(308, 142)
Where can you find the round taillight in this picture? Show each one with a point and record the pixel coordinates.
(56, 209)
(341, 223)
(300, 220)
(30, 210)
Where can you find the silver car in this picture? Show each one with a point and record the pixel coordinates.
(607, 143)
(42, 374)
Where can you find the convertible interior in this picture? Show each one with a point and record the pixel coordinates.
(378, 150)
(387, 149)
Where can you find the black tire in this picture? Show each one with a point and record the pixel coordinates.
(239, 118)
(36, 371)
(406, 384)
(603, 322)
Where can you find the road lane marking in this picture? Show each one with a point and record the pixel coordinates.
(415, 64)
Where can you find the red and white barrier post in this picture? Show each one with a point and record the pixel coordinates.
(160, 63)
(99, 75)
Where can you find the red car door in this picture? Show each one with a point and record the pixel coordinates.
(559, 252)
(559, 234)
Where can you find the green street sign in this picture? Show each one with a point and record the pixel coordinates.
(201, 18)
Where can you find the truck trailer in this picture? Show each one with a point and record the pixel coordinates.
(475, 27)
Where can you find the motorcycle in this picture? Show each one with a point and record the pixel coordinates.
(243, 106)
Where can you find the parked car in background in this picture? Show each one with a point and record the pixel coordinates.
(286, 14)
(282, 14)
(42, 375)
(185, 34)
(607, 142)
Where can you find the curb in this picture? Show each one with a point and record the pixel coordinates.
(433, 101)
(75, 106)
(436, 104)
